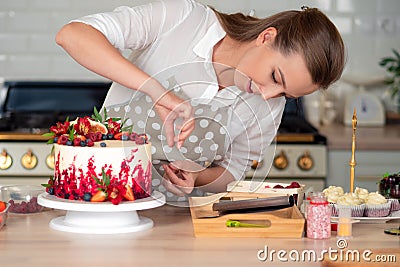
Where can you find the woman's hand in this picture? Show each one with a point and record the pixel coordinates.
(171, 108)
(180, 176)
(90, 48)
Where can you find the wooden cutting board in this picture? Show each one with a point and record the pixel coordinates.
(282, 223)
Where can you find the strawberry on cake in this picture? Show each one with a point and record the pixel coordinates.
(99, 159)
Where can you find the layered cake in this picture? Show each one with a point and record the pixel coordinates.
(99, 160)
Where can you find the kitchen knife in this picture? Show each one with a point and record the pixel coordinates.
(253, 205)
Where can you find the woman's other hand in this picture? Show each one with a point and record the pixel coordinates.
(180, 176)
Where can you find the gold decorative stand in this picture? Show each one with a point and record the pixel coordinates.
(352, 162)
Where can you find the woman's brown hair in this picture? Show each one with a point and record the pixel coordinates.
(308, 32)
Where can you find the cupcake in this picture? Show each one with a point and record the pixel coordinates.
(332, 193)
(377, 205)
(361, 193)
(394, 204)
(354, 202)
(332, 197)
(334, 210)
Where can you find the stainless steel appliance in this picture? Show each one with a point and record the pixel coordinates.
(27, 110)
(298, 154)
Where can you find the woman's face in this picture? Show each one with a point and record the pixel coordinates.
(264, 70)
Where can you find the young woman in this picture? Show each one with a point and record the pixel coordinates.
(197, 66)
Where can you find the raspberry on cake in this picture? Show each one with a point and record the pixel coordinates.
(99, 159)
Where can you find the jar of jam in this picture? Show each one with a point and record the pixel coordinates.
(318, 217)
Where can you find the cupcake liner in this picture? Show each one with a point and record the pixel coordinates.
(334, 210)
(394, 204)
(356, 210)
(377, 210)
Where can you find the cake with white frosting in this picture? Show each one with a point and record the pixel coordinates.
(98, 159)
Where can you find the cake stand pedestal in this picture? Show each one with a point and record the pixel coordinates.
(101, 217)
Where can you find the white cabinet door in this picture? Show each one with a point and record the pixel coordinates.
(371, 165)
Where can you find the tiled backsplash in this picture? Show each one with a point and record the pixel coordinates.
(28, 27)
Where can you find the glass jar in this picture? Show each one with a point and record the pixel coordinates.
(307, 202)
(318, 217)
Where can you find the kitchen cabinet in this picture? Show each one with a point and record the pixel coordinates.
(371, 165)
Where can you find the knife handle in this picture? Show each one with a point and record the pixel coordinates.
(233, 223)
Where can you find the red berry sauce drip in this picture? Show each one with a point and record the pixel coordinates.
(73, 183)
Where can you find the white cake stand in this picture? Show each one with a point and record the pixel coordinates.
(101, 217)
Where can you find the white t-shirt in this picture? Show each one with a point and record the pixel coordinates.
(180, 34)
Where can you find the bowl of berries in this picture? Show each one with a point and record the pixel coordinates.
(21, 198)
(3, 213)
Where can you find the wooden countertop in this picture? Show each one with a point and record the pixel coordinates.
(367, 138)
(27, 240)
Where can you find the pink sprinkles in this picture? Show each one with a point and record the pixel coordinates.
(318, 219)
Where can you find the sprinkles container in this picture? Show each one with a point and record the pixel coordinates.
(318, 217)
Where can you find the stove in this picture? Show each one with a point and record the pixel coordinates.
(299, 152)
(27, 110)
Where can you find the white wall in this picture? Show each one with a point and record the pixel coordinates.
(370, 29)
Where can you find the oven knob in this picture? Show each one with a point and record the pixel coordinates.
(256, 164)
(281, 161)
(305, 162)
(5, 160)
(29, 160)
(50, 161)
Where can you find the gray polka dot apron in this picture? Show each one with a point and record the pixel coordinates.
(206, 144)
